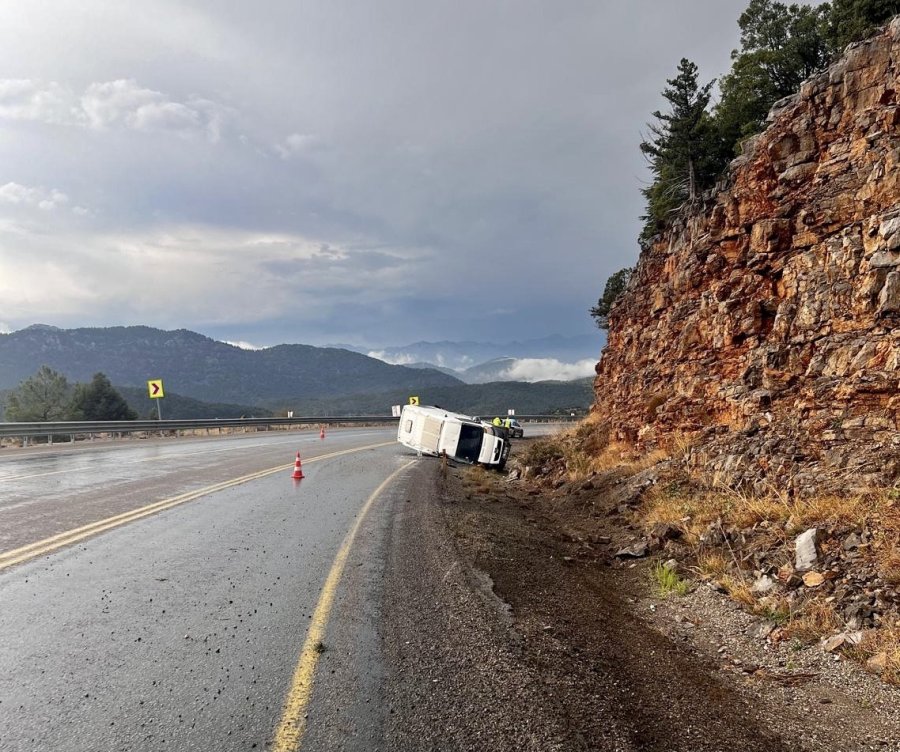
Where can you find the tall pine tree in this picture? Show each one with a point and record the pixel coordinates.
(682, 151)
(99, 400)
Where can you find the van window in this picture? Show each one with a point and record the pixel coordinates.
(469, 446)
(407, 427)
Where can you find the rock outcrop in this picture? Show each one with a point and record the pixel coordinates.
(763, 329)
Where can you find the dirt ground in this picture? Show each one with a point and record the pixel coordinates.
(572, 649)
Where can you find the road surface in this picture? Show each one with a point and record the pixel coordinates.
(181, 630)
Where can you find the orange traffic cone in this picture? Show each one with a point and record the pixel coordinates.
(322, 432)
(298, 469)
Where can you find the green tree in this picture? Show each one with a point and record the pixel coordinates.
(781, 45)
(40, 398)
(852, 20)
(99, 400)
(615, 286)
(681, 149)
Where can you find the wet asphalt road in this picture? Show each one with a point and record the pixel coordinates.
(180, 631)
(46, 490)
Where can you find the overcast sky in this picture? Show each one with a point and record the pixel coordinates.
(365, 172)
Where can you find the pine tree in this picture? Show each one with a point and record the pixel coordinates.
(40, 398)
(99, 400)
(615, 286)
(682, 150)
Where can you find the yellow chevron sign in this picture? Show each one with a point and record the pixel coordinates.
(155, 389)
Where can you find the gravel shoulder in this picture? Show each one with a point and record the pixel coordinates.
(504, 628)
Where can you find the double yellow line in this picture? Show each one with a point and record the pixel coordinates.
(293, 717)
(55, 542)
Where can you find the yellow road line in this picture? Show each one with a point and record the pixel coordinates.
(48, 545)
(290, 730)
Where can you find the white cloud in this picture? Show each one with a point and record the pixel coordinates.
(5, 328)
(122, 103)
(245, 345)
(395, 360)
(127, 104)
(24, 99)
(547, 369)
(23, 195)
(115, 102)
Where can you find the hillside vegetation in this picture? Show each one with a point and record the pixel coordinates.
(199, 367)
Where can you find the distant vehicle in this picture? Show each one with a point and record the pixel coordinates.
(515, 429)
(433, 430)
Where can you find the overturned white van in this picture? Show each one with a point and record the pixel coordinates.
(433, 430)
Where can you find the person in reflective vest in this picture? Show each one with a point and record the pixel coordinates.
(497, 422)
(507, 423)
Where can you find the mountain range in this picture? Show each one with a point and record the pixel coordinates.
(460, 356)
(207, 378)
(196, 366)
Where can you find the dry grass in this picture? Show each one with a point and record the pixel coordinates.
(711, 565)
(776, 516)
(889, 566)
(814, 620)
(587, 449)
(478, 480)
(877, 641)
(739, 589)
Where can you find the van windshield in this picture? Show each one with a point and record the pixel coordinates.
(469, 446)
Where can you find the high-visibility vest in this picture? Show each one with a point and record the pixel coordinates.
(497, 422)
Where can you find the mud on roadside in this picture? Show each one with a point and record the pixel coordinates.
(670, 673)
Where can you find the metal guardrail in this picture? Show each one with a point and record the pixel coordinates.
(81, 428)
(84, 428)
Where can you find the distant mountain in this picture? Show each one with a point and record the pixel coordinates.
(492, 370)
(426, 366)
(462, 355)
(196, 366)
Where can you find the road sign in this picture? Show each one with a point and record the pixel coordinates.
(155, 389)
(510, 412)
(395, 411)
(413, 400)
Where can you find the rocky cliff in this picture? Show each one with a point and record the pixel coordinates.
(763, 329)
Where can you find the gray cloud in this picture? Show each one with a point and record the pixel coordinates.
(471, 168)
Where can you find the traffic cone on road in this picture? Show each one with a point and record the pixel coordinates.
(322, 432)
(298, 469)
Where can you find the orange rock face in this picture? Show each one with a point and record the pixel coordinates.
(764, 326)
